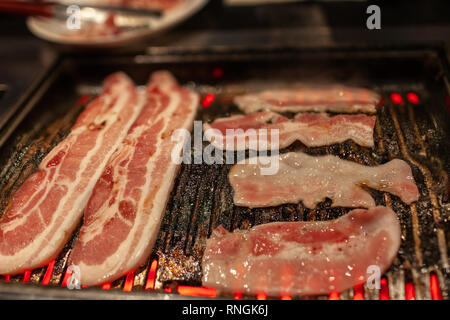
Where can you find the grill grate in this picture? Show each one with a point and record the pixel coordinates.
(201, 198)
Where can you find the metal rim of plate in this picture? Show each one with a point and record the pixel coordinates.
(49, 29)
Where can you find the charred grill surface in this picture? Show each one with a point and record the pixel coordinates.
(201, 199)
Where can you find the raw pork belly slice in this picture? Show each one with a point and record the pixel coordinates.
(332, 98)
(48, 206)
(301, 177)
(123, 215)
(311, 129)
(302, 258)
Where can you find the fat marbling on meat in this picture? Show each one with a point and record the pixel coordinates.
(334, 98)
(256, 130)
(123, 215)
(311, 179)
(48, 206)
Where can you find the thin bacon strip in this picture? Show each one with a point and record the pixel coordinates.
(48, 206)
(123, 215)
(311, 179)
(302, 258)
(328, 98)
(255, 131)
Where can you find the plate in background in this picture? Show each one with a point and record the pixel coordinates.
(54, 30)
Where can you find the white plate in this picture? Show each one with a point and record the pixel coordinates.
(56, 31)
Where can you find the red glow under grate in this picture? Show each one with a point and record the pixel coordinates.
(358, 292)
(384, 289)
(410, 293)
(197, 291)
(413, 98)
(237, 295)
(396, 98)
(261, 296)
(208, 99)
(434, 287)
(83, 99)
(128, 286)
(66, 278)
(48, 273)
(334, 296)
(106, 286)
(217, 72)
(151, 275)
(26, 276)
